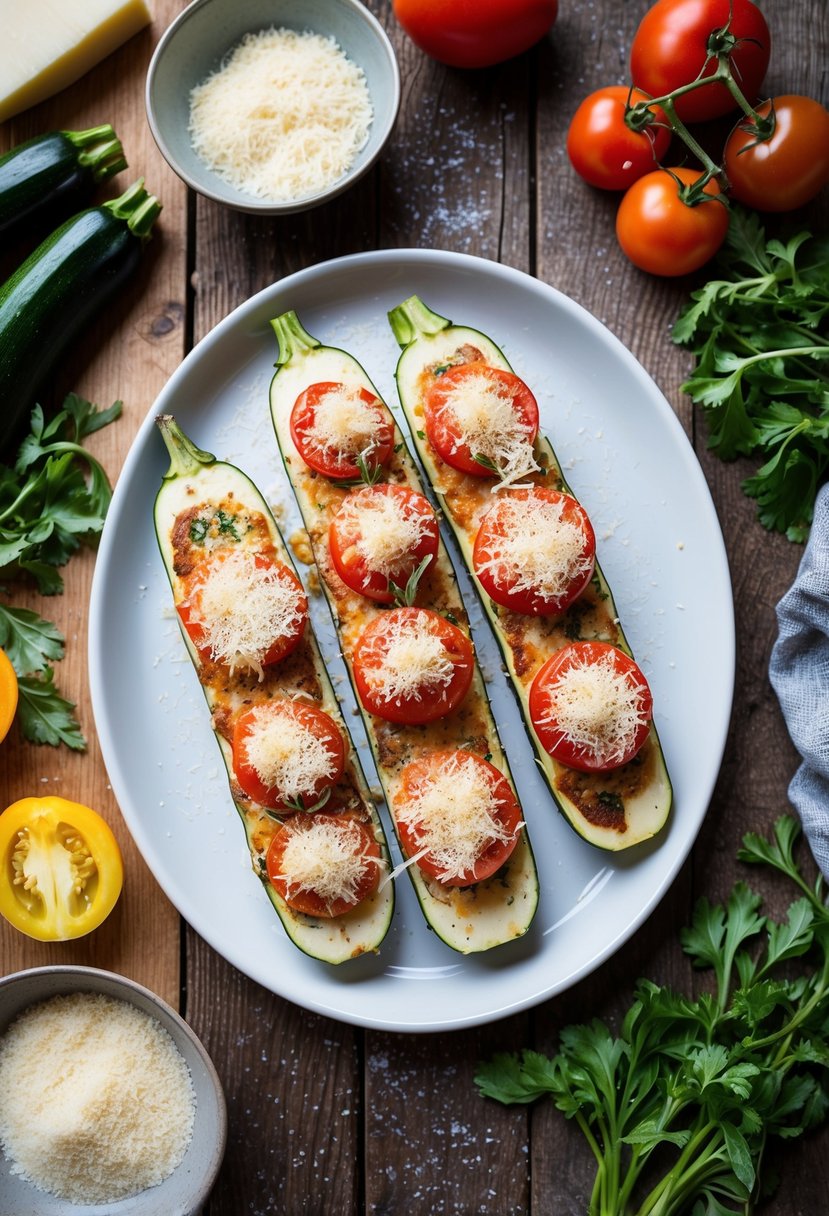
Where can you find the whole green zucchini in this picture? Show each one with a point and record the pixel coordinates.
(53, 174)
(48, 301)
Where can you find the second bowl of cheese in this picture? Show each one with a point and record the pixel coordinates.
(273, 106)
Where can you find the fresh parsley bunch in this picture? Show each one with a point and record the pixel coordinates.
(53, 500)
(680, 1107)
(762, 373)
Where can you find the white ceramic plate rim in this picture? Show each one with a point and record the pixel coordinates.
(354, 1001)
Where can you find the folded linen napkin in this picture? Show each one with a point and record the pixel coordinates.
(799, 673)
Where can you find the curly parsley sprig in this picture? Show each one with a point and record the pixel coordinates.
(762, 371)
(679, 1108)
(53, 500)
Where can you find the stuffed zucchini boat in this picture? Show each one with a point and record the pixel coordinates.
(405, 639)
(530, 549)
(315, 838)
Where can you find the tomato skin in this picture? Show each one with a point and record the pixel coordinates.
(344, 534)
(46, 832)
(604, 150)
(189, 611)
(570, 752)
(315, 721)
(787, 170)
(431, 703)
(670, 49)
(475, 33)
(490, 538)
(338, 469)
(307, 901)
(441, 428)
(421, 773)
(660, 233)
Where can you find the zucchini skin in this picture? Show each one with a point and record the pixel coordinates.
(48, 301)
(54, 174)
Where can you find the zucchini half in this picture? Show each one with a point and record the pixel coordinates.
(498, 909)
(196, 478)
(613, 810)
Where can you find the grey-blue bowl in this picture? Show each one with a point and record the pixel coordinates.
(195, 45)
(185, 1191)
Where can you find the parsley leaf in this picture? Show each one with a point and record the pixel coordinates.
(44, 715)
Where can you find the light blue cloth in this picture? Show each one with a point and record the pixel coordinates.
(799, 672)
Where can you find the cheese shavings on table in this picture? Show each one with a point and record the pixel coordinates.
(49, 44)
(284, 116)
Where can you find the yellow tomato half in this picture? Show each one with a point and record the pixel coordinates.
(61, 869)
(8, 694)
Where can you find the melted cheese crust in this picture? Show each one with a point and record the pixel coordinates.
(482, 410)
(387, 530)
(286, 755)
(327, 857)
(344, 426)
(540, 550)
(596, 707)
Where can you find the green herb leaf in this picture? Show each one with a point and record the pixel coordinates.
(44, 715)
(30, 641)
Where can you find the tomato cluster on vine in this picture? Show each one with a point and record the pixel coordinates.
(693, 61)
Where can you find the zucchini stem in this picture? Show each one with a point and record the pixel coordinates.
(99, 150)
(293, 339)
(185, 458)
(137, 208)
(412, 319)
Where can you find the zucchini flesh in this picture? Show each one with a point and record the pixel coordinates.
(614, 810)
(196, 478)
(52, 174)
(48, 301)
(501, 908)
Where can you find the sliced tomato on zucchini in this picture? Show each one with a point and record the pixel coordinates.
(412, 666)
(482, 420)
(222, 609)
(324, 865)
(379, 537)
(591, 706)
(535, 551)
(338, 426)
(457, 816)
(287, 755)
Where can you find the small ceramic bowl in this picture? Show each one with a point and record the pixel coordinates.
(199, 39)
(185, 1190)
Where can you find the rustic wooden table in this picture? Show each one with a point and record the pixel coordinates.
(324, 1117)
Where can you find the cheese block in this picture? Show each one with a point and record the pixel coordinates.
(49, 44)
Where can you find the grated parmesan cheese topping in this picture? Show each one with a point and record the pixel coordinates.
(286, 755)
(283, 117)
(388, 530)
(540, 551)
(597, 707)
(454, 816)
(414, 658)
(328, 857)
(96, 1102)
(244, 608)
(345, 424)
(484, 413)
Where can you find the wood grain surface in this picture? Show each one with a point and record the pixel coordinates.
(325, 1118)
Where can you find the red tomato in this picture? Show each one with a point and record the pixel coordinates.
(535, 551)
(604, 150)
(301, 729)
(412, 665)
(427, 832)
(663, 235)
(367, 429)
(334, 838)
(585, 681)
(787, 170)
(443, 424)
(671, 49)
(475, 33)
(370, 565)
(194, 611)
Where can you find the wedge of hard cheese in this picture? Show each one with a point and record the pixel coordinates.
(49, 44)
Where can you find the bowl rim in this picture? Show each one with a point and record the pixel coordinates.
(207, 1181)
(266, 206)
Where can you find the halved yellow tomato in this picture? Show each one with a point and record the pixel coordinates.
(60, 868)
(8, 694)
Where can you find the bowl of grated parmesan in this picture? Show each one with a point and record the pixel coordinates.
(273, 106)
(109, 1103)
